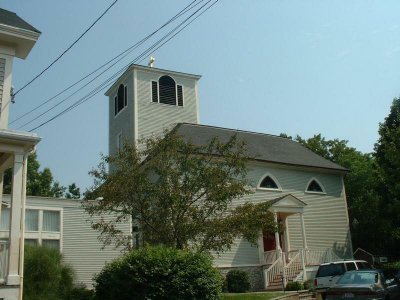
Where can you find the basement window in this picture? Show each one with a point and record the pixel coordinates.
(121, 99)
(166, 91)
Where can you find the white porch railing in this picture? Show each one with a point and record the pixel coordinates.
(293, 263)
(319, 256)
(274, 270)
(270, 256)
(4, 246)
(294, 267)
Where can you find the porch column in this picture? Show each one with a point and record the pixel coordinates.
(15, 226)
(303, 251)
(303, 231)
(287, 236)
(1, 192)
(277, 242)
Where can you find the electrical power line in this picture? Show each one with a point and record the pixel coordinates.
(66, 50)
(107, 82)
(123, 54)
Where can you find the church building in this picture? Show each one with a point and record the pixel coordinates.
(306, 191)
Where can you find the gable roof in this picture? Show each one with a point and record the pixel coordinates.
(12, 19)
(260, 146)
(290, 199)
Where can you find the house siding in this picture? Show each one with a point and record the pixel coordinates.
(325, 216)
(81, 248)
(123, 121)
(2, 72)
(154, 118)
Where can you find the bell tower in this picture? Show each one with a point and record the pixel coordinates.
(146, 101)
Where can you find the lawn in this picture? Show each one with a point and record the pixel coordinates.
(251, 296)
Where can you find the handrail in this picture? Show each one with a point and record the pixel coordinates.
(319, 256)
(4, 248)
(292, 269)
(270, 256)
(275, 269)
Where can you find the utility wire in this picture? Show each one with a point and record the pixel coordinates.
(116, 74)
(66, 50)
(127, 51)
(106, 83)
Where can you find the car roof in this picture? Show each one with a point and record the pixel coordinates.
(342, 261)
(364, 270)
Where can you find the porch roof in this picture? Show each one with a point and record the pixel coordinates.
(287, 203)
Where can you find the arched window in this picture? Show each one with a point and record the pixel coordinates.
(121, 99)
(166, 91)
(315, 187)
(269, 183)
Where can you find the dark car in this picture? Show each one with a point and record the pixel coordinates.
(364, 284)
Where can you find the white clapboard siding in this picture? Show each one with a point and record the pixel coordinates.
(154, 118)
(325, 216)
(81, 248)
(2, 69)
(123, 122)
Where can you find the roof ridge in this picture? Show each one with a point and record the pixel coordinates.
(237, 130)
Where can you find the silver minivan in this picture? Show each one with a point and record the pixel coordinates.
(329, 273)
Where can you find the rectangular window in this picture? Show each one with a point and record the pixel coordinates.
(154, 91)
(5, 218)
(180, 95)
(52, 244)
(31, 242)
(119, 141)
(31, 220)
(51, 221)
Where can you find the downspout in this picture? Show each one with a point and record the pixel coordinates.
(22, 238)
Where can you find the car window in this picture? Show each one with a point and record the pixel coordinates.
(361, 265)
(331, 270)
(350, 266)
(359, 278)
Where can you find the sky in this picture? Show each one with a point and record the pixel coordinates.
(295, 67)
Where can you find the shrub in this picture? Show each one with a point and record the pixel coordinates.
(237, 281)
(81, 293)
(45, 275)
(308, 285)
(294, 286)
(159, 273)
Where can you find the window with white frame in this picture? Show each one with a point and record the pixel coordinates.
(314, 186)
(119, 141)
(42, 226)
(166, 91)
(121, 99)
(269, 182)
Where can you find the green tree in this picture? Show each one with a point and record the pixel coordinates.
(180, 196)
(39, 183)
(363, 200)
(387, 154)
(73, 192)
(45, 275)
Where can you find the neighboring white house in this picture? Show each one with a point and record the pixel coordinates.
(306, 191)
(64, 225)
(16, 40)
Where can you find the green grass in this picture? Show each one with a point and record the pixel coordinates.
(251, 296)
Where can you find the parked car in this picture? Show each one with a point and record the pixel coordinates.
(329, 273)
(364, 284)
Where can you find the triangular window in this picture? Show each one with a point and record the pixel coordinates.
(268, 183)
(314, 186)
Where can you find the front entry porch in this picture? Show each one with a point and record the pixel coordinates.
(282, 263)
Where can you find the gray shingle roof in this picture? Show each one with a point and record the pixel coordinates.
(12, 19)
(263, 147)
